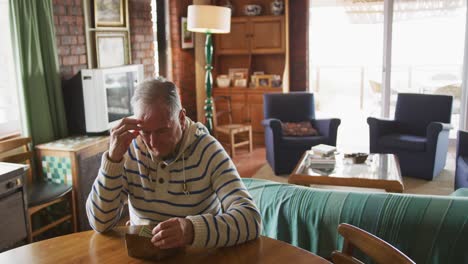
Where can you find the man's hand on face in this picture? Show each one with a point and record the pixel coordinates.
(173, 233)
(121, 137)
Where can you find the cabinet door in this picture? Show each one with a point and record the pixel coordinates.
(239, 112)
(235, 42)
(267, 35)
(255, 103)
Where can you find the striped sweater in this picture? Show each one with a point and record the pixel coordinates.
(218, 205)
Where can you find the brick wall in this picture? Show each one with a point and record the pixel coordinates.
(70, 36)
(141, 34)
(71, 43)
(183, 60)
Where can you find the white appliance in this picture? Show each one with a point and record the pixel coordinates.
(97, 99)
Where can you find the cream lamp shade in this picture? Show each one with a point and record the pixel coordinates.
(208, 19)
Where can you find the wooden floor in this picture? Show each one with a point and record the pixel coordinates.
(249, 163)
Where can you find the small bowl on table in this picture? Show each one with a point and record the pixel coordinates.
(357, 158)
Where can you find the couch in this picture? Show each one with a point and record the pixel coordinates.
(283, 152)
(428, 229)
(418, 135)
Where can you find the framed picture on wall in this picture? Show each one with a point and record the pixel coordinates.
(111, 49)
(186, 36)
(109, 13)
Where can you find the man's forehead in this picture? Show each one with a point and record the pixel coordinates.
(154, 116)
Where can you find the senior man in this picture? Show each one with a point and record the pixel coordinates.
(174, 175)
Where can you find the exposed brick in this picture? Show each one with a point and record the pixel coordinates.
(70, 60)
(79, 20)
(75, 10)
(69, 40)
(63, 50)
(78, 49)
(81, 39)
(59, 10)
(139, 38)
(61, 30)
(83, 59)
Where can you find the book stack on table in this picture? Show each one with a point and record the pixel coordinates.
(322, 157)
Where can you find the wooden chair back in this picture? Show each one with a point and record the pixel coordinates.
(377, 249)
(17, 150)
(230, 130)
(217, 114)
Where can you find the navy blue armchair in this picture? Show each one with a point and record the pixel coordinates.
(461, 168)
(418, 135)
(283, 152)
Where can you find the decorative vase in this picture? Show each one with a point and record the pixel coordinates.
(229, 5)
(277, 7)
(252, 10)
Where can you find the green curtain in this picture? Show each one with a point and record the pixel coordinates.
(32, 26)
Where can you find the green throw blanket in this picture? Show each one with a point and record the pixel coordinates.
(429, 229)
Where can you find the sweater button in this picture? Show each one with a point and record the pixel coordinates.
(161, 180)
(163, 165)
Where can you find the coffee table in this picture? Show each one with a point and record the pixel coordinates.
(380, 171)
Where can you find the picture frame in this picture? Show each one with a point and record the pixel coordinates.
(109, 13)
(111, 48)
(241, 82)
(238, 73)
(263, 80)
(187, 38)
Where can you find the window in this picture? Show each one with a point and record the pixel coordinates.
(9, 107)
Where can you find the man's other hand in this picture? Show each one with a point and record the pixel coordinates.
(173, 233)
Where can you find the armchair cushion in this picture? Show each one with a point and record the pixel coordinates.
(404, 142)
(298, 129)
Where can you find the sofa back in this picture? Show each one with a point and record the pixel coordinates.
(428, 229)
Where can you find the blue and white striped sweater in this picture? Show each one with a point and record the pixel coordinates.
(219, 206)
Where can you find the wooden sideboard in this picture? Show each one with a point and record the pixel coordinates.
(247, 107)
(76, 160)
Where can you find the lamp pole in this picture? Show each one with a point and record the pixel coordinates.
(209, 82)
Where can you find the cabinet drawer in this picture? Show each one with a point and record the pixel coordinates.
(12, 219)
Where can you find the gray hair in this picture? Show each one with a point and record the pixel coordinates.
(157, 90)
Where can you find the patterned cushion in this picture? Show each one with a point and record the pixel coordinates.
(298, 129)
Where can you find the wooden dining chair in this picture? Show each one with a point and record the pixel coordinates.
(41, 193)
(230, 130)
(377, 249)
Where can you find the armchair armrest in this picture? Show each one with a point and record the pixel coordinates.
(328, 128)
(434, 131)
(434, 128)
(377, 128)
(462, 143)
(273, 124)
(382, 126)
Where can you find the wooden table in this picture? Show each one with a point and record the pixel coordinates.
(380, 171)
(91, 247)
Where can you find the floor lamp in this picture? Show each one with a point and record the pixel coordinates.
(209, 19)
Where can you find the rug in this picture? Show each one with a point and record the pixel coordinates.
(441, 185)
